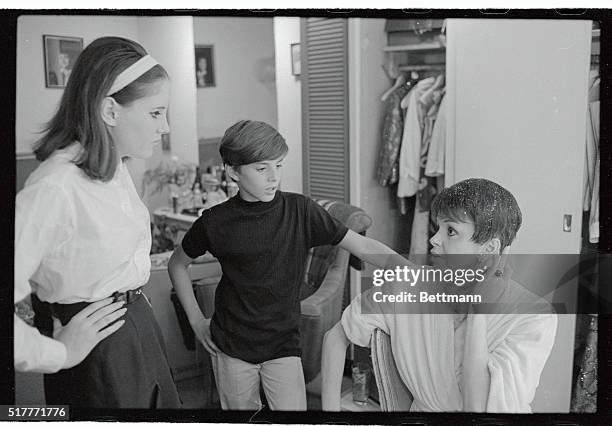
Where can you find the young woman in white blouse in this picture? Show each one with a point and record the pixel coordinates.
(83, 238)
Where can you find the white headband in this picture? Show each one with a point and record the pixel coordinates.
(131, 73)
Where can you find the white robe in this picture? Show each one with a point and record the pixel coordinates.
(424, 347)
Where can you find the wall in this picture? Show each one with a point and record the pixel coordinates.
(35, 104)
(243, 58)
(367, 38)
(289, 101)
(170, 41)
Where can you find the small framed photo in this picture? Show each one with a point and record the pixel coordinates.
(296, 63)
(61, 53)
(205, 66)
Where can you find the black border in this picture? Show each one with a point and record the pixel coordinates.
(8, 36)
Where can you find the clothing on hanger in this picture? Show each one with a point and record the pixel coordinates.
(594, 207)
(433, 102)
(592, 162)
(401, 79)
(393, 124)
(410, 150)
(419, 241)
(435, 156)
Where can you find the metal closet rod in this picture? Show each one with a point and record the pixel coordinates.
(421, 67)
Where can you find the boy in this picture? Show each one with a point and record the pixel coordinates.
(261, 237)
(462, 361)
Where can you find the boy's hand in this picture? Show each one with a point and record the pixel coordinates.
(202, 331)
(87, 328)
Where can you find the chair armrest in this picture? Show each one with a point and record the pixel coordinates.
(392, 392)
(334, 282)
(319, 312)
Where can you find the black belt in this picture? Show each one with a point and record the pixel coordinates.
(127, 296)
(65, 311)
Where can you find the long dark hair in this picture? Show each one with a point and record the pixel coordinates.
(79, 118)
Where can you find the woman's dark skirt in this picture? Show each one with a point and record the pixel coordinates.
(128, 369)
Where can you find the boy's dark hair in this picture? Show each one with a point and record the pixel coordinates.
(249, 141)
(492, 208)
(78, 117)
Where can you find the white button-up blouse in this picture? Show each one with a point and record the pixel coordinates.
(76, 239)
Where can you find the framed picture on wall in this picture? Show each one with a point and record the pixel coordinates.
(205, 66)
(296, 63)
(60, 54)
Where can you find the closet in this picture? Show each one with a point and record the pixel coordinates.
(411, 155)
(516, 96)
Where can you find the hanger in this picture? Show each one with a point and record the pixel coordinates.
(436, 84)
(401, 79)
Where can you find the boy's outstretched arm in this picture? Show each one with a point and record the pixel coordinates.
(335, 343)
(373, 252)
(181, 281)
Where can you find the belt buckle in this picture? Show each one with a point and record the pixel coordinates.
(118, 297)
(127, 296)
(132, 295)
(138, 292)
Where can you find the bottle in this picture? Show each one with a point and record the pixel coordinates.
(175, 169)
(173, 190)
(198, 179)
(197, 196)
(175, 202)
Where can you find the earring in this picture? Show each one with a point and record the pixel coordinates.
(499, 272)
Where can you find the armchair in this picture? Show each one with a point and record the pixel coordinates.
(324, 285)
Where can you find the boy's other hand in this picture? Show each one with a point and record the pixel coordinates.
(87, 328)
(202, 331)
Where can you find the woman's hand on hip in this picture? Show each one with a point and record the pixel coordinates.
(87, 328)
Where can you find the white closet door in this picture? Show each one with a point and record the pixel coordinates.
(517, 96)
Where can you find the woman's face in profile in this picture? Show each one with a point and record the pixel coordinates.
(140, 124)
(452, 244)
